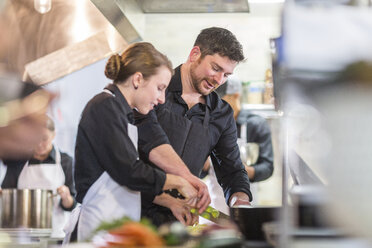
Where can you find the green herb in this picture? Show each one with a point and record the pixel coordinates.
(106, 226)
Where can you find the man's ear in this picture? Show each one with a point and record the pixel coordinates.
(195, 54)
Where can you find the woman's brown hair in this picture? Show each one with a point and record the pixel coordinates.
(138, 57)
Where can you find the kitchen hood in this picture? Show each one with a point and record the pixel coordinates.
(193, 6)
(44, 47)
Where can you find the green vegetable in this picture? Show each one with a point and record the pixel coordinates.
(210, 211)
(215, 213)
(206, 215)
(174, 234)
(172, 239)
(105, 226)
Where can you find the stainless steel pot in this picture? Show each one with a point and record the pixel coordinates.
(250, 220)
(26, 208)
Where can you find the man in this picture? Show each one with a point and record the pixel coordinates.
(47, 169)
(196, 123)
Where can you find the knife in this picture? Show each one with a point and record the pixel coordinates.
(212, 214)
(175, 193)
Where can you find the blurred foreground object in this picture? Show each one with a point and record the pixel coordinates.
(327, 97)
(127, 233)
(22, 106)
(348, 123)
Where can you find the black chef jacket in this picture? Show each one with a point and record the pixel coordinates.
(258, 131)
(14, 169)
(103, 144)
(223, 135)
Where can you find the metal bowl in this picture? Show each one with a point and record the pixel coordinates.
(26, 208)
(251, 220)
(249, 153)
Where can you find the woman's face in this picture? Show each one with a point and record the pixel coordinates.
(151, 92)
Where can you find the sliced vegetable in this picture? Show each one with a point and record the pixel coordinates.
(206, 215)
(210, 211)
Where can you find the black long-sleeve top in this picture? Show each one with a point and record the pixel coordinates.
(258, 131)
(103, 144)
(14, 169)
(223, 135)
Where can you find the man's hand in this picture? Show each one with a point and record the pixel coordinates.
(238, 199)
(183, 186)
(167, 159)
(203, 194)
(64, 193)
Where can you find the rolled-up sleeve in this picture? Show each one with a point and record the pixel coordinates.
(258, 131)
(264, 167)
(150, 132)
(229, 169)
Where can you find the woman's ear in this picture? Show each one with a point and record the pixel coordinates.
(137, 79)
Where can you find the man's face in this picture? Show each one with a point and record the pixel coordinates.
(210, 72)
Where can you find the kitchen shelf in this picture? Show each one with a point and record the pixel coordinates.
(265, 110)
(258, 106)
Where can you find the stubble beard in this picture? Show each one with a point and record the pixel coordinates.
(197, 83)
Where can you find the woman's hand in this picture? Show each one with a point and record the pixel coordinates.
(64, 193)
(182, 212)
(179, 209)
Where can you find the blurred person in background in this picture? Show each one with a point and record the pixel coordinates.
(49, 169)
(22, 106)
(258, 131)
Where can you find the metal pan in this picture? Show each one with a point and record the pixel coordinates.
(250, 220)
(26, 208)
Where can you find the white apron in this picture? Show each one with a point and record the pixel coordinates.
(105, 200)
(47, 176)
(217, 196)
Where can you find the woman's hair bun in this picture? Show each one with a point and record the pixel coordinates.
(113, 67)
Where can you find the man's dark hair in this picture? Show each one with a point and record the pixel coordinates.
(221, 41)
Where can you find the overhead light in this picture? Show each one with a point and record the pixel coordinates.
(42, 6)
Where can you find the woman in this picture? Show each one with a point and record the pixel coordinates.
(108, 173)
